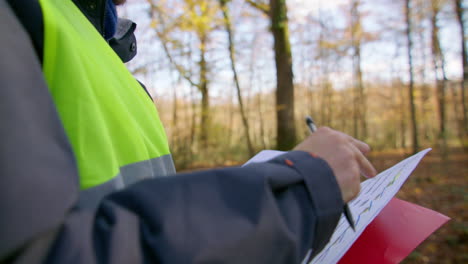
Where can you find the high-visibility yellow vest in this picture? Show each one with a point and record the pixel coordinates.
(114, 127)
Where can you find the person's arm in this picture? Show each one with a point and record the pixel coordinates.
(263, 213)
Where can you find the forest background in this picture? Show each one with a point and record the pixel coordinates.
(233, 77)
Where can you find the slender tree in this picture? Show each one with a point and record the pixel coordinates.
(203, 87)
(359, 102)
(459, 10)
(175, 115)
(198, 18)
(441, 79)
(228, 26)
(412, 108)
(326, 50)
(258, 98)
(420, 16)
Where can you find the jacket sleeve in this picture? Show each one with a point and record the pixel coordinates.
(270, 212)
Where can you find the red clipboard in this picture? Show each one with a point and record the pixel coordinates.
(398, 229)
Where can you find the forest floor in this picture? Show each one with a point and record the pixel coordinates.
(443, 187)
(438, 185)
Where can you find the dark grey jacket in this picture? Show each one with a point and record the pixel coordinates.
(271, 212)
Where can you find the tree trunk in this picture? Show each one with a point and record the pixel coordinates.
(286, 129)
(403, 116)
(424, 113)
(323, 66)
(258, 98)
(205, 100)
(193, 127)
(175, 117)
(329, 101)
(229, 133)
(414, 126)
(360, 122)
(261, 124)
(464, 83)
(440, 78)
(227, 23)
(453, 88)
(362, 96)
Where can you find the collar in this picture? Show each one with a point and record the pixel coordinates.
(101, 13)
(118, 32)
(124, 42)
(110, 20)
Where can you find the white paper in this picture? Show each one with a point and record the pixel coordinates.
(375, 194)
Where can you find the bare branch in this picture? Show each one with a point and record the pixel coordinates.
(163, 39)
(264, 8)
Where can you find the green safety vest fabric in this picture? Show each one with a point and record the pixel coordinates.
(110, 120)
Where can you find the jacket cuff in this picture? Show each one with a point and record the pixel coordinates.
(324, 192)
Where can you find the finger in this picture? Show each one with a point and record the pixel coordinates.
(367, 169)
(363, 147)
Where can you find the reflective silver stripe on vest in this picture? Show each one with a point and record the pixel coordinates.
(129, 174)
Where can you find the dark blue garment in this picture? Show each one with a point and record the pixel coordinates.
(110, 20)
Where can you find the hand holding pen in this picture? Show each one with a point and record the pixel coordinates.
(344, 154)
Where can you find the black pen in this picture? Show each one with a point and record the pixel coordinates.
(310, 123)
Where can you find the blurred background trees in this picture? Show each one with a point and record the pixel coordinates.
(232, 77)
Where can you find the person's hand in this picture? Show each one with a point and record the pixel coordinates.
(344, 154)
